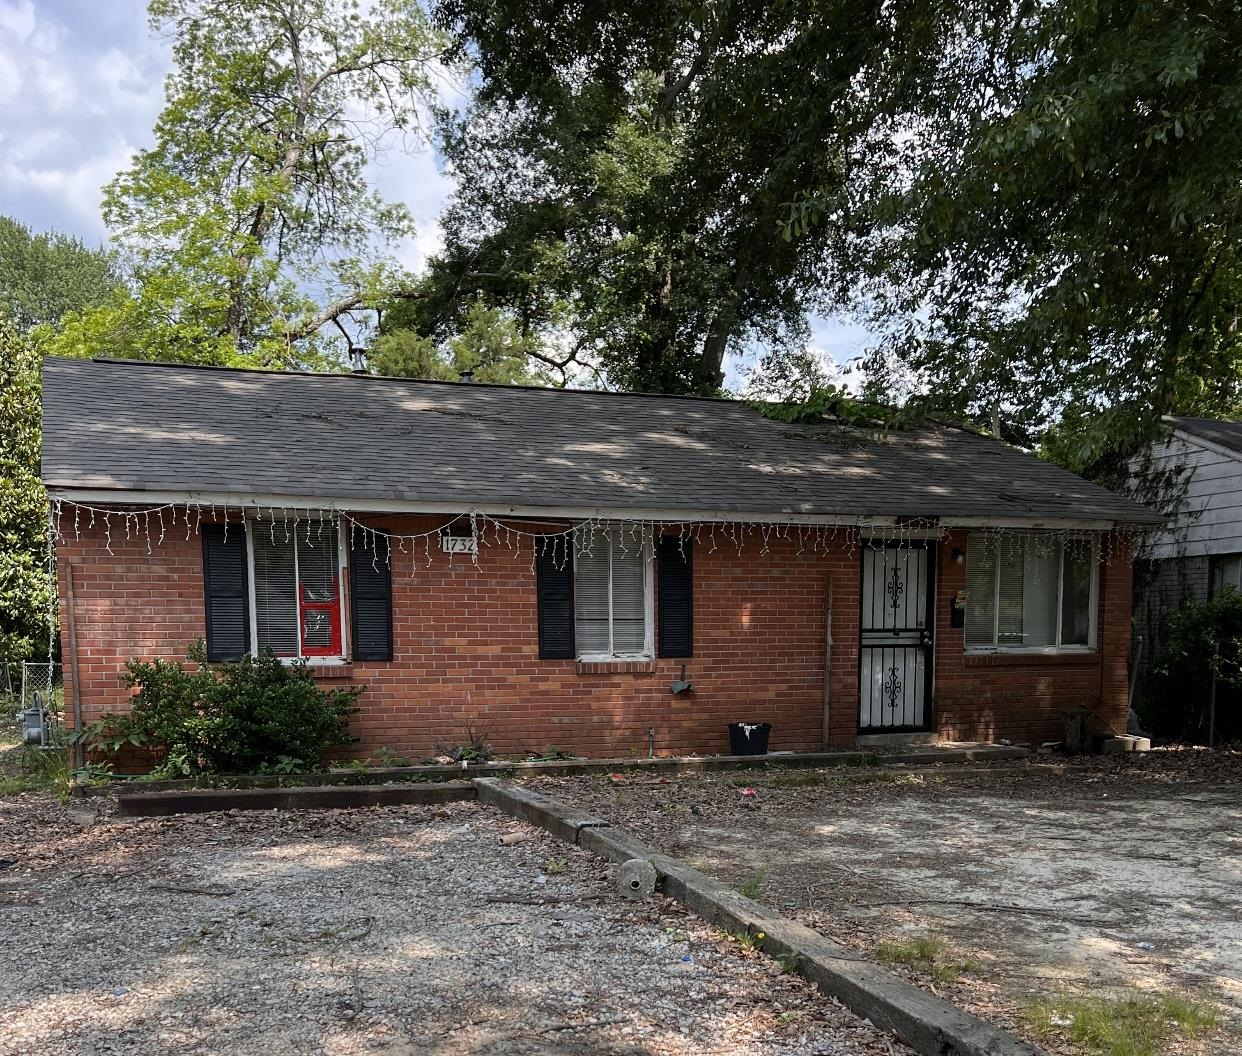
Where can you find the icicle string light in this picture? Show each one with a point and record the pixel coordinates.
(524, 534)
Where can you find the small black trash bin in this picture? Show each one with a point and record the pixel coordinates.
(749, 738)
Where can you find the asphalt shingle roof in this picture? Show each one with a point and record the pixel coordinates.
(1225, 433)
(110, 424)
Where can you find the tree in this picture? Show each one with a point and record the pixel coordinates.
(43, 277)
(249, 225)
(1059, 239)
(26, 588)
(489, 345)
(625, 169)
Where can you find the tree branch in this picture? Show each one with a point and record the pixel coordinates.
(332, 312)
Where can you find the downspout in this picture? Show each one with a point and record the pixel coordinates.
(79, 751)
(826, 734)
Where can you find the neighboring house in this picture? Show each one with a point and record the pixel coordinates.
(1198, 468)
(550, 565)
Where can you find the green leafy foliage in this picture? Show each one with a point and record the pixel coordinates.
(1200, 642)
(253, 716)
(44, 277)
(249, 225)
(624, 170)
(489, 344)
(26, 586)
(752, 886)
(830, 403)
(1055, 236)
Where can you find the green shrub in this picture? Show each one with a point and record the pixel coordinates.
(256, 715)
(1200, 641)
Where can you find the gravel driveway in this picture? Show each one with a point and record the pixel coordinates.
(1117, 875)
(403, 930)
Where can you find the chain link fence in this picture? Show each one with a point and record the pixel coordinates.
(32, 695)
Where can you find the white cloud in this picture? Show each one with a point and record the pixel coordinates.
(76, 190)
(10, 79)
(55, 84)
(78, 96)
(17, 20)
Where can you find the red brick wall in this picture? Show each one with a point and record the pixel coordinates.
(467, 652)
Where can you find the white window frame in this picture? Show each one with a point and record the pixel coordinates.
(253, 525)
(1225, 571)
(1093, 605)
(648, 653)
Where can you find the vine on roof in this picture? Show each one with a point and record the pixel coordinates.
(831, 403)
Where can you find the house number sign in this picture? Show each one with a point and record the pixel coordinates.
(459, 544)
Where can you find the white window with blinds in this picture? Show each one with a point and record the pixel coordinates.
(612, 596)
(1030, 592)
(296, 589)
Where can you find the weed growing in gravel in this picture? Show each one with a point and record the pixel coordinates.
(791, 963)
(556, 866)
(1127, 1024)
(753, 884)
(744, 940)
(927, 954)
(474, 749)
(40, 770)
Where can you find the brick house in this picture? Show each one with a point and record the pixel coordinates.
(550, 566)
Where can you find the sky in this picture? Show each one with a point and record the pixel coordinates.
(81, 85)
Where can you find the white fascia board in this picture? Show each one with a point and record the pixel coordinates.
(263, 502)
(1035, 523)
(1207, 445)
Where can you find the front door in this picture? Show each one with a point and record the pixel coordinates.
(896, 639)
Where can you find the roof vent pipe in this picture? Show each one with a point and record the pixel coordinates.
(465, 375)
(358, 360)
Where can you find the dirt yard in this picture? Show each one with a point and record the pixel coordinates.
(1125, 878)
(383, 931)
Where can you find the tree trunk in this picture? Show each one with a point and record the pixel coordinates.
(655, 369)
(265, 214)
(716, 343)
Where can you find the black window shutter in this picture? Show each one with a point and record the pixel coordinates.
(370, 582)
(676, 606)
(554, 584)
(226, 591)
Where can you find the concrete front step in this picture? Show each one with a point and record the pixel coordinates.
(894, 740)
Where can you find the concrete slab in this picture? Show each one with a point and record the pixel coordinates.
(929, 1024)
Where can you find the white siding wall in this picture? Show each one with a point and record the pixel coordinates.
(1211, 518)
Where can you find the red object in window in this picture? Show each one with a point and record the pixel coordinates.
(320, 620)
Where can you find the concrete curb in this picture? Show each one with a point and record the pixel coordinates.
(161, 804)
(930, 756)
(930, 1024)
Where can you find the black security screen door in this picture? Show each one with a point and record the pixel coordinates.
(896, 639)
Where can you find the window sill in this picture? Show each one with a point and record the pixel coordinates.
(615, 666)
(1013, 657)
